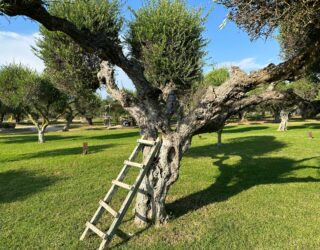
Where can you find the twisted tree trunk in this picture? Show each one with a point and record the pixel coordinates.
(150, 205)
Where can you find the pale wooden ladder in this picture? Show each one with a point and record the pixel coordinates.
(119, 215)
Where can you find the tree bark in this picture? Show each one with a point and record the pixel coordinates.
(41, 136)
(284, 120)
(162, 175)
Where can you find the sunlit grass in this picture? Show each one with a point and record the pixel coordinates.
(260, 190)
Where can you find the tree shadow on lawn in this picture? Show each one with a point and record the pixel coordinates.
(19, 184)
(18, 139)
(249, 172)
(304, 126)
(249, 128)
(116, 136)
(59, 152)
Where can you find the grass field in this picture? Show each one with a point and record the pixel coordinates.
(260, 190)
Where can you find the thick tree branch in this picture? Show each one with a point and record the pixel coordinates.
(143, 114)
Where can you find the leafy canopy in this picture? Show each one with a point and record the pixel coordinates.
(23, 87)
(166, 36)
(101, 17)
(216, 77)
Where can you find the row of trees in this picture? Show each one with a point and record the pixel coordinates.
(26, 92)
(163, 54)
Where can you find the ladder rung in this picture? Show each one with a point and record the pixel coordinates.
(121, 184)
(96, 230)
(109, 209)
(146, 142)
(133, 164)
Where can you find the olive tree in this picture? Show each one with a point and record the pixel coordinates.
(72, 70)
(166, 51)
(40, 100)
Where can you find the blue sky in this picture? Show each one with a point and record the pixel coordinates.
(229, 46)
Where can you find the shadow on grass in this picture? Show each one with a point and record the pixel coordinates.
(226, 130)
(59, 152)
(18, 139)
(116, 136)
(18, 184)
(305, 126)
(248, 172)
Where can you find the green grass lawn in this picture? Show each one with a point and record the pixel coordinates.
(260, 190)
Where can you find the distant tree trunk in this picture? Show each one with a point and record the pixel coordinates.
(17, 118)
(66, 127)
(284, 120)
(41, 136)
(69, 118)
(276, 115)
(1, 118)
(219, 132)
(242, 116)
(263, 114)
(89, 121)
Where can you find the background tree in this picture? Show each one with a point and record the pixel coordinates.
(165, 60)
(22, 87)
(72, 70)
(116, 110)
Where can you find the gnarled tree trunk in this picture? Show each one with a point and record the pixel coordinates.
(150, 205)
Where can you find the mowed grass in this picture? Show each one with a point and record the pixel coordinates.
(260, 190)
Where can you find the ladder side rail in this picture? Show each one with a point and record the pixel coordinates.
(122, 174)
(108, 197)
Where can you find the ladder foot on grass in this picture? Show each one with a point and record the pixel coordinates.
(118, 182)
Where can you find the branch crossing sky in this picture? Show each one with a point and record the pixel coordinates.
(229, 46)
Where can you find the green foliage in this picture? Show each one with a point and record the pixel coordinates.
(88, 105)
(307, 89)
(13, 78)
(22, 87)
(101, 17)
(166, 37)
(71, 69)
(216, 77)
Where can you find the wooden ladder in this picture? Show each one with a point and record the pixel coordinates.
(104, 204)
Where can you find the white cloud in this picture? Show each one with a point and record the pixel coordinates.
(16, 48)
(246, 64)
